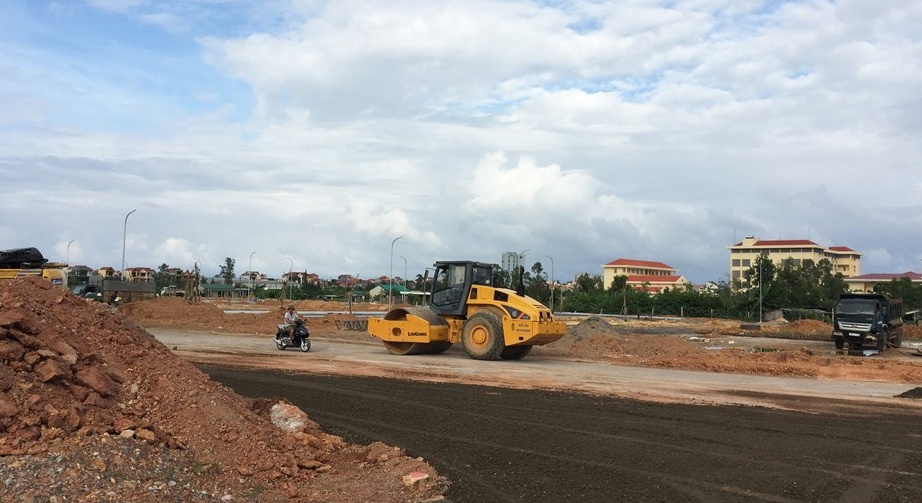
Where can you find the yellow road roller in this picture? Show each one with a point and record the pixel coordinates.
(490, 322)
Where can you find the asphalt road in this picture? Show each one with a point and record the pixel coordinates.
(512, 445)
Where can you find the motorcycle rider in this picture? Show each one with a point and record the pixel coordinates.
(291, 316)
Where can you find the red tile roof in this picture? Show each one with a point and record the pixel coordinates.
(913, 276)
(841, 249)
(624, 262)
(644, 278)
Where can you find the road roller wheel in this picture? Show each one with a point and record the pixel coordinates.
(482, 336)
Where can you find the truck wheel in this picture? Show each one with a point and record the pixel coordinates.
(482, 336)
(515, 352)
(898, 340)
(881, 341)
(840, 342)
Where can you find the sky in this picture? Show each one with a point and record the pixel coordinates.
(375, 138)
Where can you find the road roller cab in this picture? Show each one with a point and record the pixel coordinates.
(465, 307)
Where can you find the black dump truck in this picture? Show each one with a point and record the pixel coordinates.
(867, 319)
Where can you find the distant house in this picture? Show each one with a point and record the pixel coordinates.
(78, 275)
(645, 275)
(382, 290)
(107, 272)
(866, 282)
(223, 290)
(142, 274)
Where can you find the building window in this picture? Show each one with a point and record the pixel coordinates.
(746, 262)
(736, 262)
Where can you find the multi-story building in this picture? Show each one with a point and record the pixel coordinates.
(653, 277)
(743, 255)
(511, 261)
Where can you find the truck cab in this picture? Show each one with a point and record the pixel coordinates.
(867, 319)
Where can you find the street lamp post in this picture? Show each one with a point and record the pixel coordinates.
(390, 277)
(68, 251)
(124, 235)
(250, 273)
(404, 273)
(291, 266)
(760, 290)
(552, 282)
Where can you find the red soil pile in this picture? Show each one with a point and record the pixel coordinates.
(82, 383)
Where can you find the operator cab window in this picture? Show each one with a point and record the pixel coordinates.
(449, 285)
(483, 276)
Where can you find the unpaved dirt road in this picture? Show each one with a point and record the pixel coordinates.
(335, 357)
(575, 432)
(509, 445)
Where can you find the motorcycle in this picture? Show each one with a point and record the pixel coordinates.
(300, 337)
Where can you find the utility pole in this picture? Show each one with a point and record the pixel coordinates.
(390, 277)
(552, 282)
(124, 235)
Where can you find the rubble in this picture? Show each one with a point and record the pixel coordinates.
(92, 407)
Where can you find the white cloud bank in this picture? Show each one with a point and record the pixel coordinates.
(583, 131)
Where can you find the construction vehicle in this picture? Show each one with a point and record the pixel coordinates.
(23, 262)
(870, 318)
(464, 306)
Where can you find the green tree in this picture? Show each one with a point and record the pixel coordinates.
(902, 288)
(588, 283)
(536, 286)
(227, 271)
(163, 277)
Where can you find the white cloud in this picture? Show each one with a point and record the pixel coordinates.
(581, 130)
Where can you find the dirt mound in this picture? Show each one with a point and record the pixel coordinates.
(81, 383)
(812, 327)
(591, 326)
(723, 349)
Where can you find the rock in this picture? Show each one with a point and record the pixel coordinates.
(79, 392)
(7, 407)
(63, 348)
(50, 370)
(309, 464)
(122, 424)
(95, 400)
(11, 350)
(94, 379)
(414, 479)
(288, 417)
(145, 434)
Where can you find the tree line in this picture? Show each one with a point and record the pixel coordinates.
(804, 289)
(801, 289)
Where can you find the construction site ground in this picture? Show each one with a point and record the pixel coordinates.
(91, 402)
(799, 348)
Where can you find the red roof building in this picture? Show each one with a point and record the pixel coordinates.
(645, 275)
(744, 255)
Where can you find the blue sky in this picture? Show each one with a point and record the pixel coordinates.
(585, 130)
